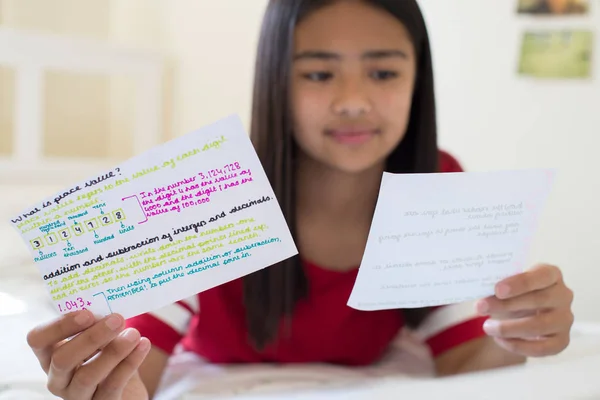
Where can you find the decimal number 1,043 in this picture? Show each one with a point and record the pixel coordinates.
(77, 304)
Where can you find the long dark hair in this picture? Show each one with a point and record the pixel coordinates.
(271, 294)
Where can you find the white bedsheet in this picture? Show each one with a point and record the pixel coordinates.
(572, 375)
(189, 378)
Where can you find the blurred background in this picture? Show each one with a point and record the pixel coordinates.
(85, 84)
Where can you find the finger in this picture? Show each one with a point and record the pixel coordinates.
(43, 338)
(501, 316)
(73, 353)
(548, 346)
(112, 387)
(541, 324)
(89, 376)
(553, 297)
(537, 278)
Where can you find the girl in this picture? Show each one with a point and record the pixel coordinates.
(343, 92)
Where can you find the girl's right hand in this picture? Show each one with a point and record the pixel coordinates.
(87, 359)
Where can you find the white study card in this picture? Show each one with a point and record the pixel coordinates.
(446, 238)
(181, 218)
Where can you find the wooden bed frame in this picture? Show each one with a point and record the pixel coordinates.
(30, 55)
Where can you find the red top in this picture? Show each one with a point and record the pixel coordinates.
(324, 329)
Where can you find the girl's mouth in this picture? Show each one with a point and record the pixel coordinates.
(352, 136)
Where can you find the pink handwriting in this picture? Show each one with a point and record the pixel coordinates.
(78, 304)
(193, 191)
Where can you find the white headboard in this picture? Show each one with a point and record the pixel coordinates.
(30, 54)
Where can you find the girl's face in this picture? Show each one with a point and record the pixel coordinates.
(352, 81)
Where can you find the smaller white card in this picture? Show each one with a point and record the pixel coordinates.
(447, 238)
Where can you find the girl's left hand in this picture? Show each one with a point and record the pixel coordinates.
(530, 313)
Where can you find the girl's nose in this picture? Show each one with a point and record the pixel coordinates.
(351, 100)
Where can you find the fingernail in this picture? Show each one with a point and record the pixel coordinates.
(491, 327)
(113, 322)
(483, 307)
(502, 290)
(144, 345)
(82, 318)
(130, 334)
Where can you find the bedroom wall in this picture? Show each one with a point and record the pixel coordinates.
(493, 119)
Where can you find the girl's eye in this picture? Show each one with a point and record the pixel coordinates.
(383, 75)
(318, 76)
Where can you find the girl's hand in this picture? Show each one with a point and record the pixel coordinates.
(99, 361)
(531, 312)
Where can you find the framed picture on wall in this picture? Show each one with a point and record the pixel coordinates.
(553, 7)
(556, 54)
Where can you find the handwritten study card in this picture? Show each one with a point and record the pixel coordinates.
(446, 238)
(179, 219)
